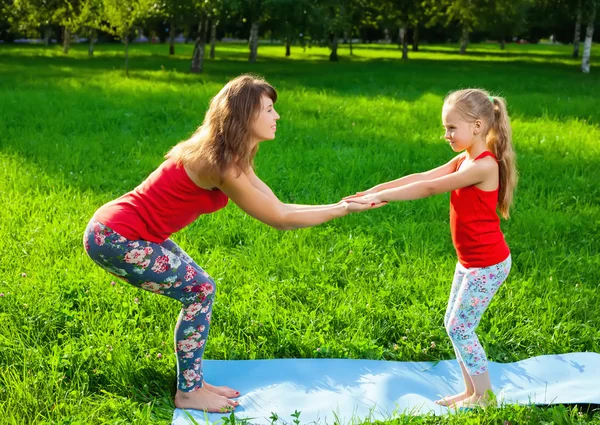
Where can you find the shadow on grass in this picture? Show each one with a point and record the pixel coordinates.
(371, 78)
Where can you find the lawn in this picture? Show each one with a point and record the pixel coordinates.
(75, 133)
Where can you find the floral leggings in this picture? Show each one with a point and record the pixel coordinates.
(471, 293)
(164, 269)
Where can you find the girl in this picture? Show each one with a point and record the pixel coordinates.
(129, 237)
(481, 179)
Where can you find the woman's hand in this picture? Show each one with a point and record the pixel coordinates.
(372, 199)
(353, 205)
(359, 194)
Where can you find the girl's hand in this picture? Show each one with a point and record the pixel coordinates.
(359, 194)
(353, 205)
(372, 199)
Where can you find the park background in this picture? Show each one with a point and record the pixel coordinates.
(361, 86)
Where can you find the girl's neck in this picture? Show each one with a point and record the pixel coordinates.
(477, 148)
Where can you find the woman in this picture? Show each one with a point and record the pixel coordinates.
(129, 237)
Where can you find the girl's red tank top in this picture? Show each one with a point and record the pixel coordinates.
(475, 225)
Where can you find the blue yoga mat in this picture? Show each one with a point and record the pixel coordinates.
(346, 391)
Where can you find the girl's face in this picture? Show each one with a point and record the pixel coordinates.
(266, 124)
(459, 133)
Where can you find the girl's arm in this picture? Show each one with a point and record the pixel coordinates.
(434, 173)
(468, 176)
(266, 207)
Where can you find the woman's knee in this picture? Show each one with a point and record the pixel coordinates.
(199, 291)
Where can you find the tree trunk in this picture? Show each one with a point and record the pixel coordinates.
(577, 36)
(345, 36)
(287, 47)
(171, 37)
(350, 42)
(92, 40)
(464, 40)
(334, 46)
(199, 46)
(213, 38)
(126, 40)
(416, 34)
(502, 44)
(66, 40)
(253, 42)
(587, 46)
(404, 42)
(47, 34)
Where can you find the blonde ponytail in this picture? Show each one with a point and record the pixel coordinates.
(499, 142)
(474, 104)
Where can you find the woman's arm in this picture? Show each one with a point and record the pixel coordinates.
(262, 186)
(266, 207)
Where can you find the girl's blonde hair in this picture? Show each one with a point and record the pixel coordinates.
(224, 138)
(477, 104)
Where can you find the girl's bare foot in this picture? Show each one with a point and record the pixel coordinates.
(222, 390)
(203, 399)
(477, 400)
(452, 400)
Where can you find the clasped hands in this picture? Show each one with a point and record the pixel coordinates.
(362, 201)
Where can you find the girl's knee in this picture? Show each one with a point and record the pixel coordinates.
(453, 334)
(460, 336)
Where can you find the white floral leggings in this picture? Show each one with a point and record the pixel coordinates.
(471, 293)
(163, 269)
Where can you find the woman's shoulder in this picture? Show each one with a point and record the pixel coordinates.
(202, 173)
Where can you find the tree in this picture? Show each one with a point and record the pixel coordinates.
(334, 19)
(577, 35)
(121, 16)
(289, 18)
(589, 34)
(400, 14)
(507, 18)
(32, 15)
(75, 16)
(552, 17)
(465, 13)
(255, 12)
(359, 14)
(199, 45)
(175, 12)
(205, 11)
(219, 9)
(93, 23)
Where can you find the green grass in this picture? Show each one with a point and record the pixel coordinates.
(75, 133)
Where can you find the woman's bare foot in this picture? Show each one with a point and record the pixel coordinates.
(477, 400)
(203, 399)
(453, 399)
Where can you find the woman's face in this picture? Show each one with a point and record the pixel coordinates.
(266, 124)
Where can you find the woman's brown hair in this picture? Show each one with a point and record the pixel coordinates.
(223, 140)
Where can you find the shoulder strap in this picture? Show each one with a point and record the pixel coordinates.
(484, 154)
